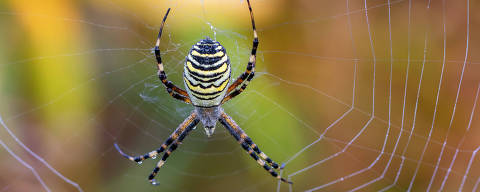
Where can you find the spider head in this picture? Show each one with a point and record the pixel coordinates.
(209, 117)
(209, 130)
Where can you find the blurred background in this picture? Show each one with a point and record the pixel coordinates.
(351, 95)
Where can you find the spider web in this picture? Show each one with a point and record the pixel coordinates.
(354, 95)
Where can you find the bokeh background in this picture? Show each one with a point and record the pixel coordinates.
(328, 97)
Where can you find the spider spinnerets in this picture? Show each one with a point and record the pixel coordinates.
(206, 76)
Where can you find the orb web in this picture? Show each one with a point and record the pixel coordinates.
(350, 95)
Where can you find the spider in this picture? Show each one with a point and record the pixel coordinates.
(206, 76)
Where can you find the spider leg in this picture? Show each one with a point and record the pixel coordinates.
(247, 144)
(191, 121)
(246, 76)
(172, 89)
(170, 150)
(248, 140)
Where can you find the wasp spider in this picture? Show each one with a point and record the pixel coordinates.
(206, 76)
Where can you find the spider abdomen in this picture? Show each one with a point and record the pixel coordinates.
(207, 73)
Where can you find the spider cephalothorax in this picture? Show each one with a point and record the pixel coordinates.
(206, 76)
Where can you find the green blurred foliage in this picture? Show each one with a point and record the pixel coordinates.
(77, 76)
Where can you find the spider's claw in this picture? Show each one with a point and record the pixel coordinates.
(154, 182)
(283, 166)
(117, 147)
(120, 151)
(138, 160)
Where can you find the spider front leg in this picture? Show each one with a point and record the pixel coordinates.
(249, 73)
(172, 89)
(170, 150)
(247, 145)
(181, 128)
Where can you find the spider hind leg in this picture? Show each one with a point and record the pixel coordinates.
(172, 89)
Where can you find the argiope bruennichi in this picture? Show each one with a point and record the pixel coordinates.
(206, 76)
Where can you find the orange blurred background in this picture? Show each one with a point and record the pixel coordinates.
(78, 76)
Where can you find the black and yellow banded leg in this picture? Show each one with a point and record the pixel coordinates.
(249, 72)
(233, 128)
(238, 91)
(170, 150)
(255, 148)
(172, 89)
(244, 137)
(191, 121)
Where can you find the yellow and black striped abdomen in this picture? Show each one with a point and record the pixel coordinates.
(207, 73)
